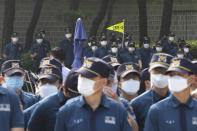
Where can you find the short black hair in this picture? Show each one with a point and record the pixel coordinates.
(58, 53)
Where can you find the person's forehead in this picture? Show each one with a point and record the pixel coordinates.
(159, 69)
(131, 75)
(177, 73)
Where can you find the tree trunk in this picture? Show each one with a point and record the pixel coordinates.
(142, 20)
(33, 24)
(166, 17)
(74, 6)
(8, 22)
(99, 17)
(109, 15)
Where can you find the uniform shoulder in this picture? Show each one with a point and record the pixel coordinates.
(144, 96)
(161, 104)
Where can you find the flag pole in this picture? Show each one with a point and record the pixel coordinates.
(123, 34)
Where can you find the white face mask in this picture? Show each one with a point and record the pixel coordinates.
(119, 45)
(146, 46)
(171, 38)
(114, 50)
(180, 55)
(130, 86)
(159, 49)
(131, 49)
(159, 80)
(15, 39)
(94, 48)
(47, 90)
(89, 43)
(39, 40)
(186, 50)
(177, 83)
(126, 43)
(85, 86)
(68, 36)
(104, 43)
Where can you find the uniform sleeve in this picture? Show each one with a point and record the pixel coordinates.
(60, 125)
(17, 117)
(151, 120)
(32, 51)
(6, 50)
(37, 117)
(125, 126)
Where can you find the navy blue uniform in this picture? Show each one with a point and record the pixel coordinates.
(87, 52)
(78, 115)
(101, 52)
(130, 57)
(189, 56)
(45, 42)
(44, 115)
(28, 99)
(141, 105)
(68, 48)
(13, 51)
(170, 48)
(11, 115)
(171, 115)
(41, 50)
(145, 55)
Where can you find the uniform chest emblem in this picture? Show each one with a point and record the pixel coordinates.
(4, 107)
(194, 120)
(77, 121)
(170, 122)
(110, 120)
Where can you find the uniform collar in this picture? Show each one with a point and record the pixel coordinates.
(156, 97)
(175, 103)
(2, 90)
(104, 101)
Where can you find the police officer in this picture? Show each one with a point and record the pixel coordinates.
(38, 51)
(49, 82)
(87, 49)
(68, 47)
(44, 115)
(159, 87)
(177, 112)
(45, 41)
(11, 116)
(170, 47)
(110, 91)
(119, 42)
(103, 49)
(180, 53)
(58, 54)
(158, 47)
(129, 80)
(131, 55)
(112, 38)
(13, 50)
(93, 110)
(187, 53)
(14, 77)
(146, 52)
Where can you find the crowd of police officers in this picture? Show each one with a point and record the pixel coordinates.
(120, 86)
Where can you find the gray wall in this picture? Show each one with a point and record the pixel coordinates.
(184, 19)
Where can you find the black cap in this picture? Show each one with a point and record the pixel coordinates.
(14, 34)
(160, 60)
(94, 43)
(146, 39)
(127, 68)
(114, 44)
(112, 60)
(42, 31)
(51, 73)
(71, 83)
(39, 36)
(181, 40)
(93, 67)
(67, 30)
(158, 43)
(92, 38)
(187, 46)
(171, 34)
(48, 61)
(11, 67)
(131, 44)
(103, 37)
(119, 40)
(180, 65)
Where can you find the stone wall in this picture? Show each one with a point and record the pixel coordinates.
(184, 19)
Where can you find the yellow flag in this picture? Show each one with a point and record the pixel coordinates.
(117, 27)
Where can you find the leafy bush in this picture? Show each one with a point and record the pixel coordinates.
(27, 61)
(193, 49)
